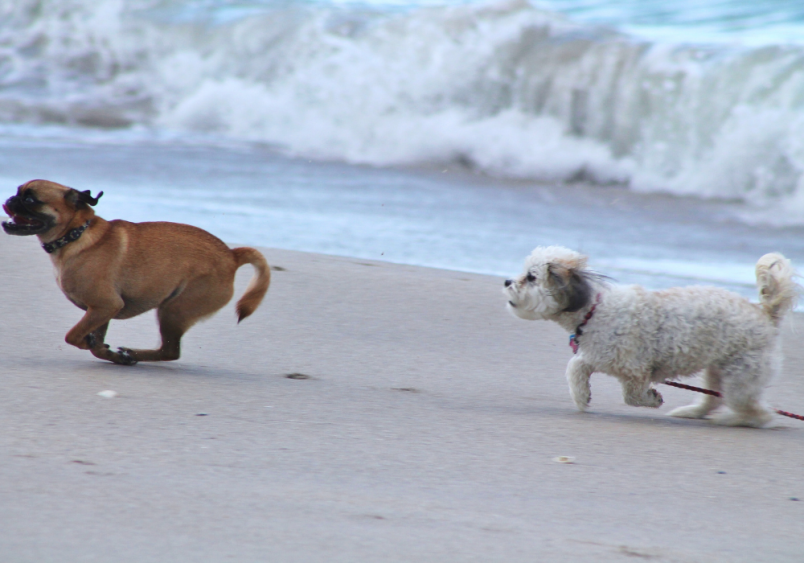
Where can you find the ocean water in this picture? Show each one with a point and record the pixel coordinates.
(697, 99)
(440, 217)
(662, 139)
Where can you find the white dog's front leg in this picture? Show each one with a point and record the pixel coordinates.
(639, 393)
(578, 373)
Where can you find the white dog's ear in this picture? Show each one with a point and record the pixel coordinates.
(570, 286)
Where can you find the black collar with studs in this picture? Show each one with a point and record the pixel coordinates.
(73, 235)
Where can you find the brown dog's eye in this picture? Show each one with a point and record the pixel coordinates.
(531, 278)
(29, 200)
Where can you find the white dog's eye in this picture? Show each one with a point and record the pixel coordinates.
(530, 277)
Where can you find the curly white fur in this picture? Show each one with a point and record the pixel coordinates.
(641, 337)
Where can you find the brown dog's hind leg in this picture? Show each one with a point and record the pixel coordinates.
(178, 315)
(171, 343)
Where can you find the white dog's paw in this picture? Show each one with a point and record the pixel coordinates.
(650, 398)
(755, 420)
(637, 394)
(690, 411)
(653, 399)
(581, 396)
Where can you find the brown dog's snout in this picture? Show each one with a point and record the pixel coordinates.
(10, 204)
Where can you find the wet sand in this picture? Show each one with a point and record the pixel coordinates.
(423, 428)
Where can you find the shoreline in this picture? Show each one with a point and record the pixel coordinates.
(454, 220)
(732, 209)
(425, 431)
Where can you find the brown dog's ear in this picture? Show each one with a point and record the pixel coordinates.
(81, 200)
(569, 286)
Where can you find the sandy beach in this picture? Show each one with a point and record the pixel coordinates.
(425, 430)
(382, 405)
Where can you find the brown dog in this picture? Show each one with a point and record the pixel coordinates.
(117, 269)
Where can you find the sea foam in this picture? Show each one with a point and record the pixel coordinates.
(504, 88)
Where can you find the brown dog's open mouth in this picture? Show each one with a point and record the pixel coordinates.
(21, 225)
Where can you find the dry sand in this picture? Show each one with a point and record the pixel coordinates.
(426, 432)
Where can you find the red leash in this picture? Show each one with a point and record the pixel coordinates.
(716, 394)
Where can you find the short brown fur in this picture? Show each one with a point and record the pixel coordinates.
(117, 270)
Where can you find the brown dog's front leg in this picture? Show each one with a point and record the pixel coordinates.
(96, 338)
(101, 350)
(122, 357)
(81, 335)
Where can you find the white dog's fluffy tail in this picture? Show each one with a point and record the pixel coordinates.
(778, 292)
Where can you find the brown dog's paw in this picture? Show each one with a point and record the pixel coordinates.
(124, 358)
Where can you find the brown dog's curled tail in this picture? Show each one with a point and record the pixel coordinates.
(259, 283)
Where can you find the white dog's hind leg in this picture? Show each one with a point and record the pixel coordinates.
(639, 393)
(708, 403)
(743, 382)
(578, 373)
(745, 413)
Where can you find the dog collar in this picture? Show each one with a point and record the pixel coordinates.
(73, 235)
(573, 338)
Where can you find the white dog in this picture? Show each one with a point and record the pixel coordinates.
(641, 336)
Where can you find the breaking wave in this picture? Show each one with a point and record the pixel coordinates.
(505, 88)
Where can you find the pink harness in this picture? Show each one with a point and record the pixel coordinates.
(573, 338)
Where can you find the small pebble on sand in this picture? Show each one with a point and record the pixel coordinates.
(564, 459)
(109, 394)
